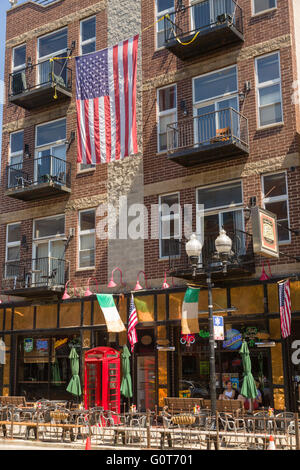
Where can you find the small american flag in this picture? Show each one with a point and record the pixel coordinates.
(106, 103)
(285, 307)
(132, 322)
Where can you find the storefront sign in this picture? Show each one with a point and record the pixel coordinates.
(265, 237)
(233, 340)
(204, 334)
(218, 328)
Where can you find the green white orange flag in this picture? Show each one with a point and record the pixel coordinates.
(111, 314)
(189, 317)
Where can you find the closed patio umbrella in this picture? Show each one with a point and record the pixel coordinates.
(56, 373)
(126, 386)
(248, 389)
(74, 386)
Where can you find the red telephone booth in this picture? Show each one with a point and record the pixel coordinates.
(102, 379)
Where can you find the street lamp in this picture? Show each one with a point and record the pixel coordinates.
(223, 246)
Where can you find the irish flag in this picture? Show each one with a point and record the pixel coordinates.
(189, 317)
(111, 314)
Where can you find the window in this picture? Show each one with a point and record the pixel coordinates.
(260, 6)
(53, 45)
(268, 83)
(48, 252)
(222, 206)
(13, 245)
(162, 7)
(87, 238)
(167, 113)
(169, 225)
(50, 159)
(275, 199)
(88, 35)
(214, 94)
(19, 58)
(16, 145)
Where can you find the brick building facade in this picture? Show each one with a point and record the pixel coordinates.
(246, 76)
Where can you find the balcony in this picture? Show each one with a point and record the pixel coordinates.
(240, 264)
(205, 27)
(208, 137)
(34, 277)
(38, 178)
(40, 85)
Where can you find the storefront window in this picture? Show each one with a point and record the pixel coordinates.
(44, 369)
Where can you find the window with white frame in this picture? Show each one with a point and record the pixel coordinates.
(222, 207)
(53, 45)
(162, 8)
(167, 113)
(13, 246)
(269, 96)
(50, 151)
(88, 35)
(169, 225)
(16, 146)
(275, 199)
(214, 94)
(260, 6)
(19, 58)
(48, 251)
(87, 238)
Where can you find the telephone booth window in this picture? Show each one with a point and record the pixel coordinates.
(102, 379)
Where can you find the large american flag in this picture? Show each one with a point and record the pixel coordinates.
(132, 322)
(106, 103)
(285, 307)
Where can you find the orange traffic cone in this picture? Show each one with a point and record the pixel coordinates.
(271, 445)
(88, 444)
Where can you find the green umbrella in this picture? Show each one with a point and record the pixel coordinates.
(126, 386)
(248, 389)
(74, 386)
(56, 373)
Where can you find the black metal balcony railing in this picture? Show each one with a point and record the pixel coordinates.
(48, 273)
(241, 259)
(38, 171)
(225, 129)
(37, 85)
(202, 27)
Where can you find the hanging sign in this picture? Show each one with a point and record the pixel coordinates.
(218, 328)
(28, 345)
(233, 340)
(265, 236)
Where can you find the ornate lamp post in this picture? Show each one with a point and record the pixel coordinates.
(193, 248)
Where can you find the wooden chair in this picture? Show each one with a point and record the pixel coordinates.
(12, 401)
(222, 135)
(177, 405)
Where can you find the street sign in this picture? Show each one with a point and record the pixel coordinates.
(218, 328)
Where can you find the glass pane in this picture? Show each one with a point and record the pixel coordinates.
(17, 142)
(167, 98)
(19, 56)
(13, 233)
(88, 29)
(220, 196)
(170, 228)
(270, 95)
(270, 114)
(86, 258)
(87, 220)
(88, 48)
(87, 242)
(13, 253)
(51, 132)
(59, 152)
(201, 15)
(215, 84)
(268, 68)
(275, 185)
(50, 227)
(283, 233)
(278, 208)
(52, 43)
(261, 5)
(171, 201)
(205, 124)
(164, 5)
(146, 382)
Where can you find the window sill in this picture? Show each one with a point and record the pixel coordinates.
(264, 12)
(271, 126)
(85, 172)
(80, 270)
(163, 152)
